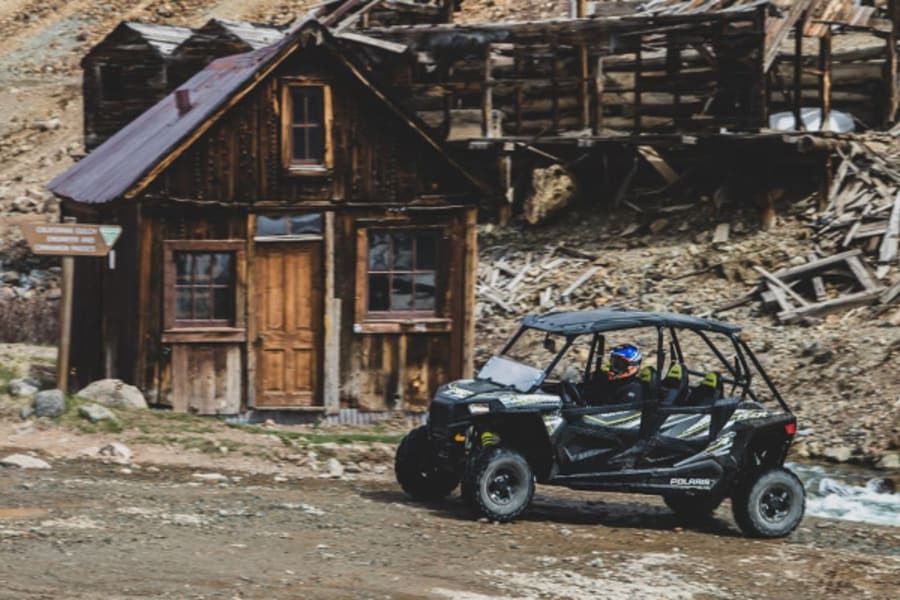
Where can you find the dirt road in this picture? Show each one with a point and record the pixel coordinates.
(88, 530)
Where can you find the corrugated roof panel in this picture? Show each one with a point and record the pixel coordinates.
(256, 36)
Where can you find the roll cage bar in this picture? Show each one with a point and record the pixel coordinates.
(739, 372)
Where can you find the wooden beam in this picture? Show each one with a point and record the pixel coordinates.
(584, 88)
(781, 285)
(825, 78)
(332, 324)
(487, 104)
(798, 73)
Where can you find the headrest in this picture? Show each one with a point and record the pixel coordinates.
(646, 375)
(711, 380)
(675, 372)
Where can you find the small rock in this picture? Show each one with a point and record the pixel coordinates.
(96, 413)
(48, 125)
(49, 403)
(215, 477)
(889, 461)
(334, 468)
(26, 412)
(658, 225)
(116, 451)
(596, 562)
(882, 485)
(23, 461)
(11, 277)
(22, 388)
(113, 392)
(823, 358)
(838, 453)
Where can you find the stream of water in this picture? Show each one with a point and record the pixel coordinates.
(851, 494)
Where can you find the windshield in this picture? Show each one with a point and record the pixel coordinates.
(504, 371)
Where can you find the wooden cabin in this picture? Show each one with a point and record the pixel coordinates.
(124, 75)
(292, 240)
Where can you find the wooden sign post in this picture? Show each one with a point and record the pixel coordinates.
(68, 240)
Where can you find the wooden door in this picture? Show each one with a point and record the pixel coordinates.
(289, 314)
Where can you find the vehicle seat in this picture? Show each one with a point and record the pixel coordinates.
(673, 389)
(649, 383)
(707, 392)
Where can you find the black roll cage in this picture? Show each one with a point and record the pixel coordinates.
(740, 374)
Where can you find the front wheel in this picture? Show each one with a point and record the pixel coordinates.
(501, 484)
(769, 505)
(415, 469)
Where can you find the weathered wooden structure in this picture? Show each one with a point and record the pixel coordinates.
(292, 239)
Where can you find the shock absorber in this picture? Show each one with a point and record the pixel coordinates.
(489, 438)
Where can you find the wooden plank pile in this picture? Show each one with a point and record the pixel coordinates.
(863, 204)
(535, 281)
(820, 286)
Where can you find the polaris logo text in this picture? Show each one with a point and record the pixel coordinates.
(695, 482)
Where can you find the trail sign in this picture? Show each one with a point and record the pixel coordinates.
(71, 239)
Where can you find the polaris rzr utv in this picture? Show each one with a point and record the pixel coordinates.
(694, 426)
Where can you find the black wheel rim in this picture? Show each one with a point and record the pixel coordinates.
(502, 486)
(775, 503)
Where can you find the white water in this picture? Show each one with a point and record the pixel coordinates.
(848, 495)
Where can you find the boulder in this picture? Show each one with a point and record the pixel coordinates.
(553, 189)
(49, 403)
(22, 388)
(334, 468)
(838, 453)
(96, 413)
(23, 461)
(113, 392)
(889, 461)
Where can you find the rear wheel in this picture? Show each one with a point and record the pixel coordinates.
(770, 504)
(415, 468)
(693, 508)
(501, 484)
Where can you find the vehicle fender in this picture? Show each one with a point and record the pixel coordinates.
(522, 431)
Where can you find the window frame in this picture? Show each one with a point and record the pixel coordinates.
(238, 320)
(367, 321)
(287, 149)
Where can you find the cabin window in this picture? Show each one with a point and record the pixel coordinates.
(112, 87)
(306, 127)
(286, 227)
(201, 284)
(401, 273)
(204, 287)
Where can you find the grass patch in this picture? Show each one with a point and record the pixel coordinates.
(7, 374)
(207, 446)
(292, 438)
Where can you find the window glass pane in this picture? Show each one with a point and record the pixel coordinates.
(299, 105)
(221, 303)
(315, 105)
(183, 302)
(401, 293)
(202, 267)
(266, 226)
(202, 308)
(222, 268)
(316, 144)
(425, 251)
(182, 267)
(300, 149)
(424, 296)
(311, 224)
(403, 252)
(379, 252)
(378, 292)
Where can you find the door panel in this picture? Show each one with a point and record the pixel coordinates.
(289, 324)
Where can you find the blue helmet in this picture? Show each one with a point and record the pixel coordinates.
(624, 361)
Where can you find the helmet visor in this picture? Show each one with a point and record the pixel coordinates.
(618, 363)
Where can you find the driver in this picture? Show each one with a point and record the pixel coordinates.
(622, 384)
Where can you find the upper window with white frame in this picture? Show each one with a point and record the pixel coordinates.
(306, 110)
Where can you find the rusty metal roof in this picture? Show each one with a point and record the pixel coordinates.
(127, 162)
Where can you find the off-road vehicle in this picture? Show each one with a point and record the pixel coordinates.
(698, 429)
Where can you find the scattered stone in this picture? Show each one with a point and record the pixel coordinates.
(49, 403)
(96, 413)
(838, 453)
(213, 477)
(882, 485)
(23, 387)
(658, 225)
(334, 468)
(117, 452)
(889, 461)
(23, 461)
(113, 392)
(823, 358)
(26, 412)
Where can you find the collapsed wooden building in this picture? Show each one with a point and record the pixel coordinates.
(667, 88)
